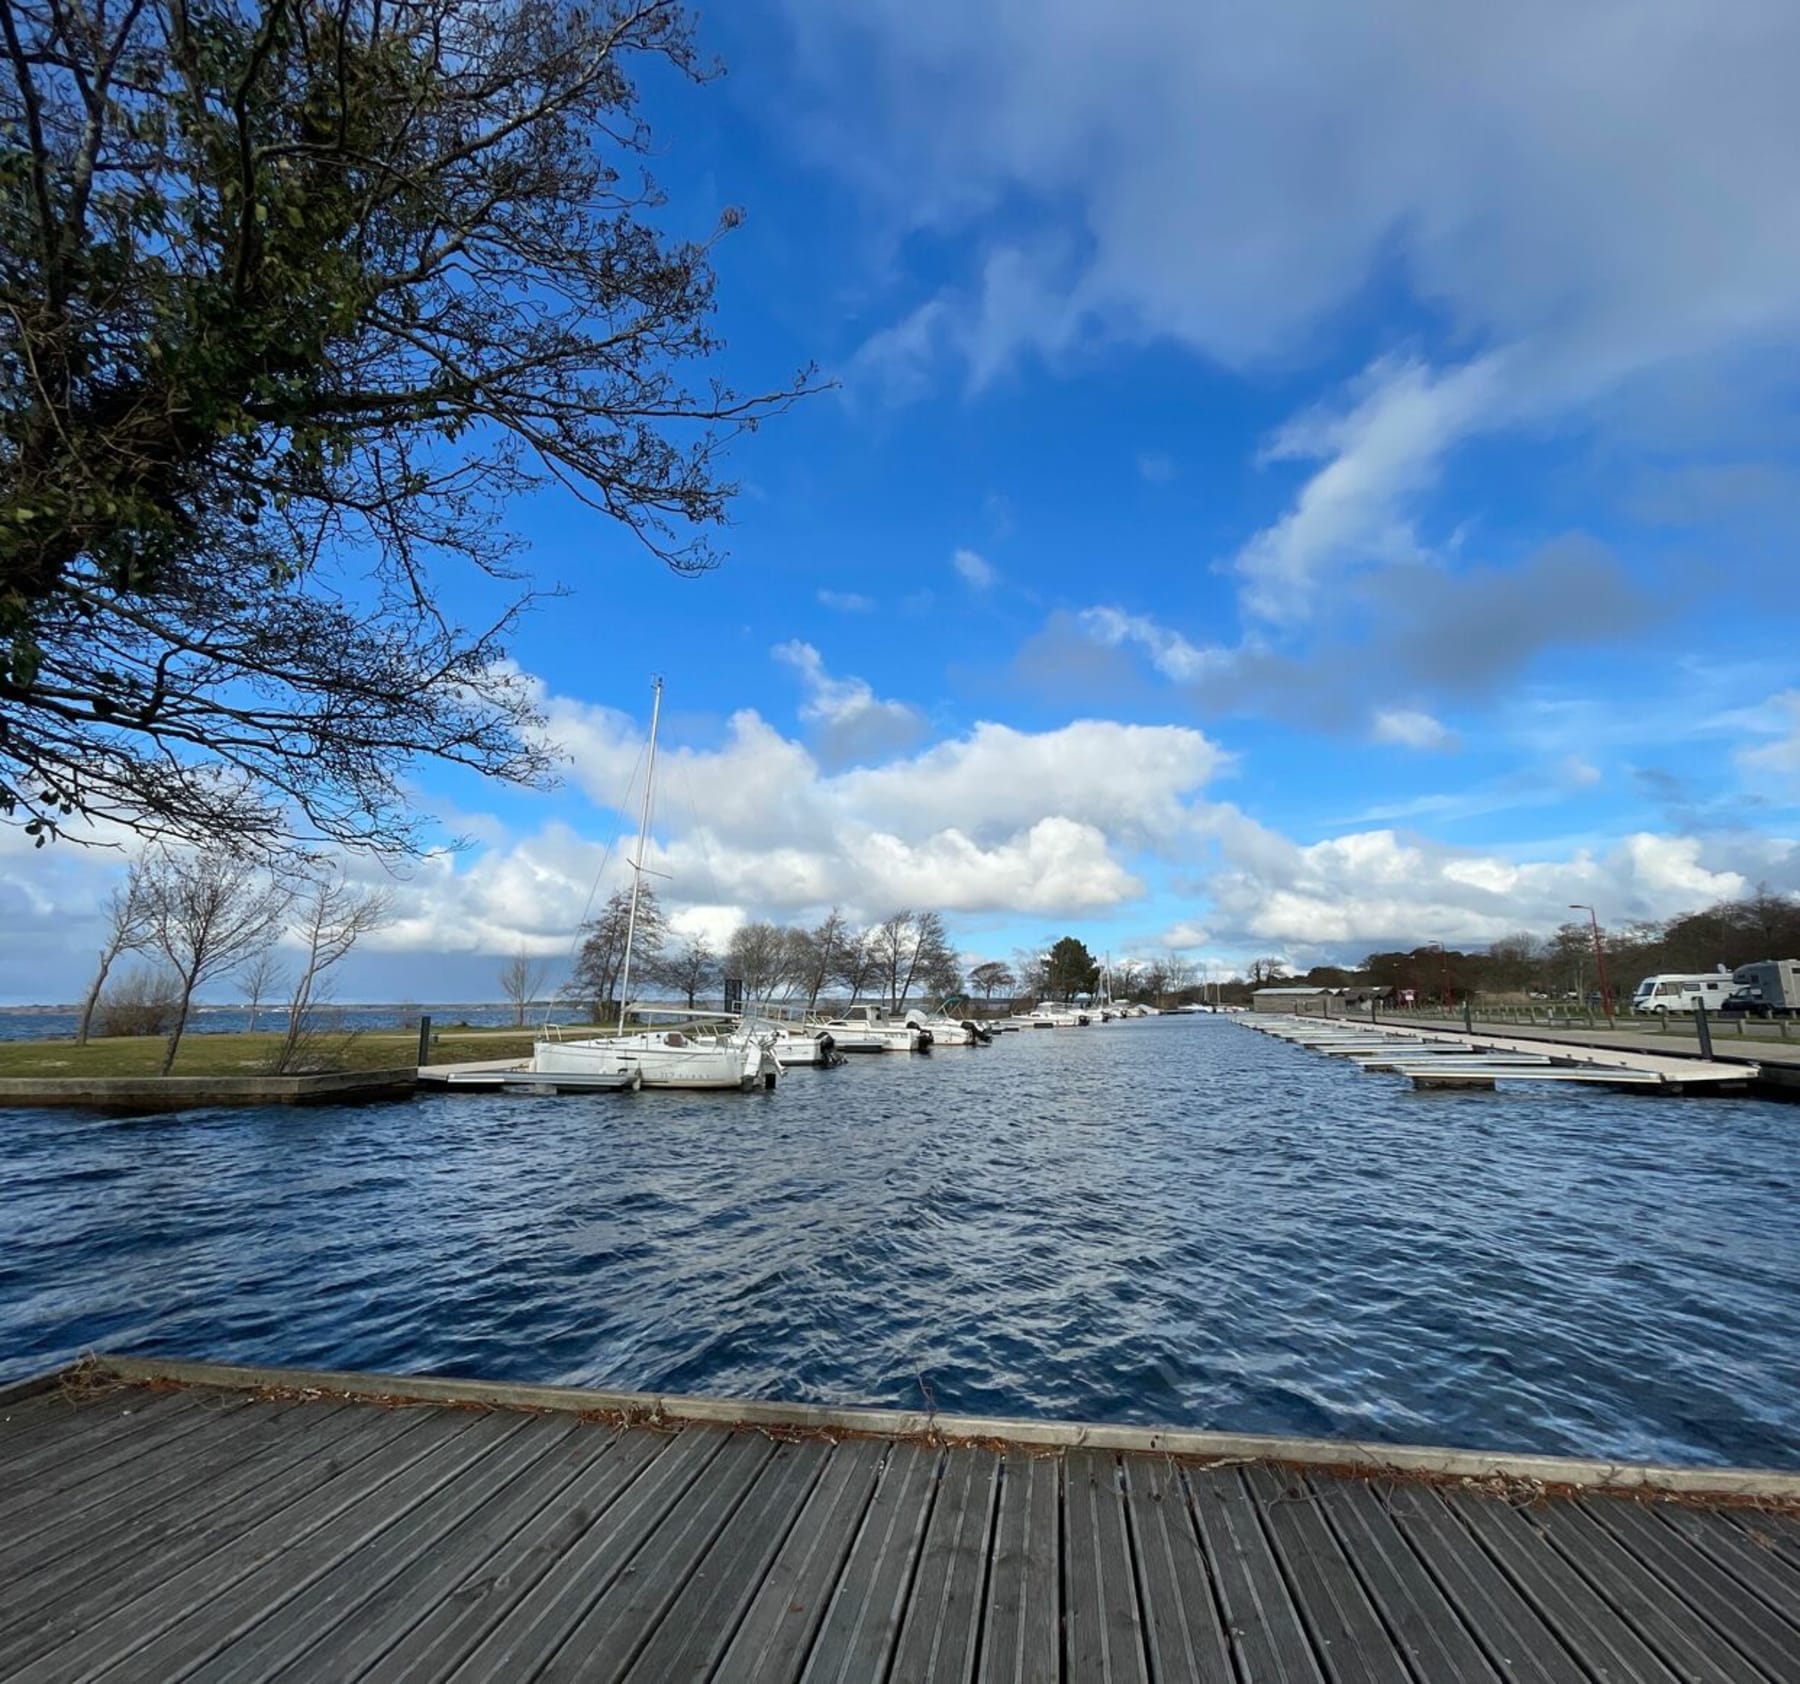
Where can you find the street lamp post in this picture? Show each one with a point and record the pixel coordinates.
(1606, 1004)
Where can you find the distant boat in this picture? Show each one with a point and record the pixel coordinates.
(1044, 1016)
(704, 1050)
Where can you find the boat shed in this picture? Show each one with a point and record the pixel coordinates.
(1312, 1002)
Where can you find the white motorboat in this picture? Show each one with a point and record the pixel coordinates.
(703, 1050)
(803, 1043)
(1055, 1017)
(867, 1029)
(948, 1030)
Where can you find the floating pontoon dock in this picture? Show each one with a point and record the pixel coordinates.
(175, 1521)
(1442, 1058)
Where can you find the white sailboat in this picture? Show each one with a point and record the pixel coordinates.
(701, 1050)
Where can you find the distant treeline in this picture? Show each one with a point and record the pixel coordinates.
(1731, 933)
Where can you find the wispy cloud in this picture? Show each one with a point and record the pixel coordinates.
(976, 571)
(847, 602)
(1410, 728)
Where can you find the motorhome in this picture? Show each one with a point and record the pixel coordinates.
(1769, 988)
(1670, 993)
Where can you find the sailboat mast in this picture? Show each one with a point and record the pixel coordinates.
(637, 865)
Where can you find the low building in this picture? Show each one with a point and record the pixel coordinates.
(1318, 999)
(1310, 1002)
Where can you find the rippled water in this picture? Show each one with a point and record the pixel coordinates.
(1166, 1221)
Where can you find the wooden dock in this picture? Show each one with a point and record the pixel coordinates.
(1474, 1058)
(273, 1524)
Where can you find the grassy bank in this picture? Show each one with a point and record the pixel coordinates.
(253, 1055)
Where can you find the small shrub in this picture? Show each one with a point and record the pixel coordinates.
(144, 1002)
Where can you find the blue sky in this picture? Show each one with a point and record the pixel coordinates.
(1298, 480)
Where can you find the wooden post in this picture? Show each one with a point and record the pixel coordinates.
(424, 1037)
(1704, 1028)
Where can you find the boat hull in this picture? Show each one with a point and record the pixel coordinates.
(670, 1060)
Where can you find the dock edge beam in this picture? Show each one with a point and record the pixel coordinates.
(647, 1407)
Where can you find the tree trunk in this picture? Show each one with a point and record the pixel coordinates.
(296, 1016)
(187, 993)
(93, 995)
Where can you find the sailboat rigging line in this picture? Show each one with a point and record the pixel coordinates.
(587, 906)
(637, 865)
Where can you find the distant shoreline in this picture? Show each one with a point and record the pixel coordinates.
(336, 1005)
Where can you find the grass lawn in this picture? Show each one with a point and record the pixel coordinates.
(252, 1055)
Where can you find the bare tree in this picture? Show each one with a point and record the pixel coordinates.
(129, 930)
(817, 953)
(895, 944)
(691, 970)
(260, 979)
(857, 964)
(932, 961)
(1179, 974)
(212, 912)
(991, 977)
(331, 918)
(602, 956)
(759, 956)
(1031, 966)
(522, 979)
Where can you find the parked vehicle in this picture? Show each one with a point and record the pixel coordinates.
(1659, 995)
(1769, 988)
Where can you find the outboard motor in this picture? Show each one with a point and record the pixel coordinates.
(983, 1037)
(829, 1056)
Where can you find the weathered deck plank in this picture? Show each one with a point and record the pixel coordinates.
(1508, 1629)
(326, 1539)
(704, 1617)
(106, 1582)
(784, 1617)
(441, 1608)
(1103, 1630)
(1347, 1634)
(1267, 1636)
(1705, 1590)
(106, 1432)
(109, 1635)
(64, 1516)
(609, 1635)
(292, 1616)
(943, 1615)
(1182, 1628)
(1425, 1624)
(1022, 1637)
(856, 1640)
(530, 1632)
(1564, 1600)
(211, 1619)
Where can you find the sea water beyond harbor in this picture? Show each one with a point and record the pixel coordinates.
(1164, 1221)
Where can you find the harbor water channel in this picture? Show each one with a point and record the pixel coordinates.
(1164, 1221)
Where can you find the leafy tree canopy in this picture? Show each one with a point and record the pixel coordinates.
(1071, 969)
(294, 296)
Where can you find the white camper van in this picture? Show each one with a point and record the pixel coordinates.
(1667, 993)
